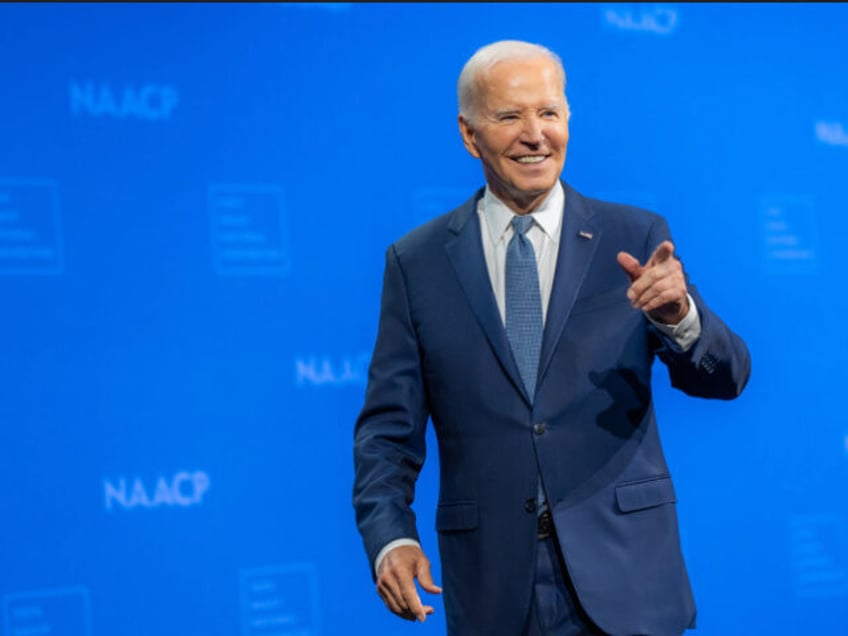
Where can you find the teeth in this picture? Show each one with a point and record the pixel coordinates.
(531, 159)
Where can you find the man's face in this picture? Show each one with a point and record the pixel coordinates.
(520, 130)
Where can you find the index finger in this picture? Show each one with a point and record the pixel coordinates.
(413, 601)
(663, 252)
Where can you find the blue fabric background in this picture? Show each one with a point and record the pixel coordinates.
(195, 201)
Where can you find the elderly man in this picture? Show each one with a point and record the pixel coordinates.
(525, 324)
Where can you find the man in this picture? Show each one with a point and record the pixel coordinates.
(525, 324)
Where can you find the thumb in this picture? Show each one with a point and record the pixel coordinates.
(662, 253)
(425, 579)
(630, 265)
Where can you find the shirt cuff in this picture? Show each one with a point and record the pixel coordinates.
(682, 336)
(391, 545)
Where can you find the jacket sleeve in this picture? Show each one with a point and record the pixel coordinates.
(718, 364)
(389, 437)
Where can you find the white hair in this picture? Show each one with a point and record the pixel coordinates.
(486, 57)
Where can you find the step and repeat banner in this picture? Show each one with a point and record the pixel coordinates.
(195, 201)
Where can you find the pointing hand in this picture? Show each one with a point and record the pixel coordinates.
(658, 287)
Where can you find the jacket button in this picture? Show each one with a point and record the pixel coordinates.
(530, 505)
(708, 363)
(539, 428)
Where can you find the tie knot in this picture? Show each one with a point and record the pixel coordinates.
(522, 223)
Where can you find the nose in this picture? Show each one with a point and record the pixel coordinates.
(532, 133)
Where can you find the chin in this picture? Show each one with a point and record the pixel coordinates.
(535, 187)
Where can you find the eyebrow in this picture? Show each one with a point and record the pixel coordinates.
(516, 111)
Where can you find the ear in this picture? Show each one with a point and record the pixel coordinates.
(467, 132)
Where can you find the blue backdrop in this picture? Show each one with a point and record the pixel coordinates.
(195, 201)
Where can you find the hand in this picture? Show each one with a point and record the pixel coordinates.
(396, 582)
(658, 288)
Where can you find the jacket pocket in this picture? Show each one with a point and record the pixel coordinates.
(455, 516)
(646, 493)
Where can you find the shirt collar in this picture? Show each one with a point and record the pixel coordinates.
(548, 215)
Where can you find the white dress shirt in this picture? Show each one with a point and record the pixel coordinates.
(496, 231)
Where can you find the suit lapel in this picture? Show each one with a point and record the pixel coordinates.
(465, 250)
(579, 238)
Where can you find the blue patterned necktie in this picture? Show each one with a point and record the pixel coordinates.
(523, 303)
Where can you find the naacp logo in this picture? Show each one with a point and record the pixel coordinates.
(831, 133)
(152, 102)
(658, 19)
(348, 370)
(181, 491)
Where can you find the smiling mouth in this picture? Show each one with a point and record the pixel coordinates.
(531, 158)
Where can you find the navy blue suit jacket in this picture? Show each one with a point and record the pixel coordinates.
(589, 431)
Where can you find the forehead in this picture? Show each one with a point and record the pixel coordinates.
(521, 82)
